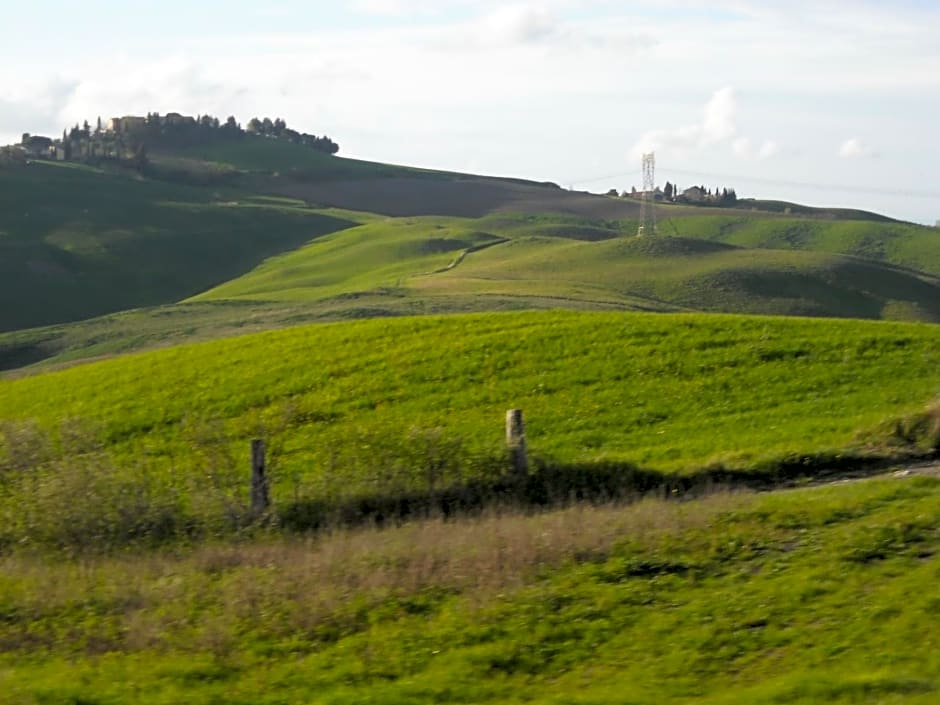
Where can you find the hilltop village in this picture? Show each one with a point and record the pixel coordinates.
(126, 139)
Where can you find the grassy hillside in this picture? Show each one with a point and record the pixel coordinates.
(597, 262)
(267, 156)
(379, 254)
(416, 405)
(803, 597)
(77, 242)
(915, 247)
(130, 568)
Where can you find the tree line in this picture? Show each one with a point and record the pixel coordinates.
(174, 130)
(278, 129)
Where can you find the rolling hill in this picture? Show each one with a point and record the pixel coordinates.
(452, 260)
(76, 242)
(260, 233)
(671, 393)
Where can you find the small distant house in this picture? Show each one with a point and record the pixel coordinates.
(37, 146)
(128, 123)
(654, 195)
(178, 119)
(696, 194)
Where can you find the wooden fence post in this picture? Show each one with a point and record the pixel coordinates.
(259, 481)
(515, 441)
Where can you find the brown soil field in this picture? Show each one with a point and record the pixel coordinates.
(469, 198)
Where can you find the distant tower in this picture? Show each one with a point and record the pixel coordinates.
(648, 197)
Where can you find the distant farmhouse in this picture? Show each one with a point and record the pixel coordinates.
(695, 195)
(38, 147)
(129, 123)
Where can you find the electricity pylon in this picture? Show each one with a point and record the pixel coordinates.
(648, 197)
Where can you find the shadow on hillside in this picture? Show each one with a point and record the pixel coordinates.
(555, 484)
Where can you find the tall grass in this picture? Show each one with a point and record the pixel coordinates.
(815, 595)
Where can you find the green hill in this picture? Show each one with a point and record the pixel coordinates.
(903, 244)
(377, 401)
(247, 251)
(76, 242)
(451, 260)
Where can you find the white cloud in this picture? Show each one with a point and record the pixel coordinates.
(34, 107)
(534, 25)
(140, 88)
(744, 147)
(717, 126)
(852, 148)
(392, 8)
(521, 24)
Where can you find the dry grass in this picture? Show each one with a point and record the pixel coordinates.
(320, 586)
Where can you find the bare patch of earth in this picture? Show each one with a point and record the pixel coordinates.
(468, 198)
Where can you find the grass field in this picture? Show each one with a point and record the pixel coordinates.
(801, 597)
(377, 409)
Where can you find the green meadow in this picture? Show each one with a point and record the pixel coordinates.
(798, 597)
(388, 408)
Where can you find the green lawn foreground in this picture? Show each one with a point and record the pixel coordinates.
(797, 597)
(157, 443)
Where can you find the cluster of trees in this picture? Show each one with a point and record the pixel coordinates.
(176, 130)
(278, 129)
(173, 130)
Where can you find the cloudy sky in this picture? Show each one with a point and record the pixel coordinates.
(828, 102)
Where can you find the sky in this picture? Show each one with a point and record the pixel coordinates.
(824, 102)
